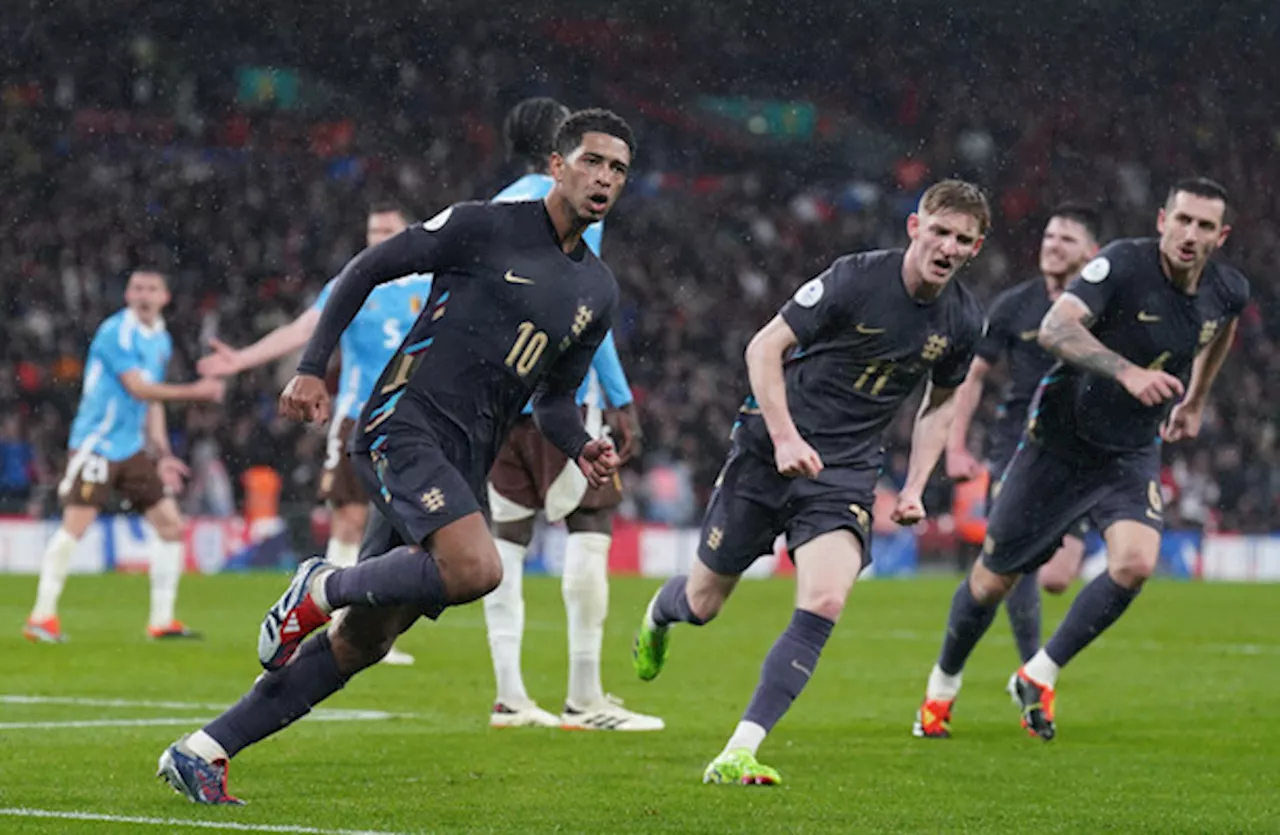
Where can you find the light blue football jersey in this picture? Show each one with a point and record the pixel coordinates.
(606, 368)
(109, 421)
(373, 336)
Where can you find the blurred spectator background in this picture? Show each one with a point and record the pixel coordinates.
(235, 147)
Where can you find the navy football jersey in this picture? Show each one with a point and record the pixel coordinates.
(864, 345)
(510, 315)
(1138, 313)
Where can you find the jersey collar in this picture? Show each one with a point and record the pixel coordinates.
(144, 329)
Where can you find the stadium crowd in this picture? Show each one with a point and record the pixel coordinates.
(141, 149)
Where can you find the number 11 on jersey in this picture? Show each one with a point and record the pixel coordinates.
(882, 368)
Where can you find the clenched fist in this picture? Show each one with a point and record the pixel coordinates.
(598, 461)
(305, 399)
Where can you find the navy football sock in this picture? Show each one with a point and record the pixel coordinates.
(1096, 607)
(405, 575)
(672, 604)
(967, 622)
(788, 667)
(280, 698)
(1023, 605)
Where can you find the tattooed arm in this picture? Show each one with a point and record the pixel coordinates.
(1064, 332)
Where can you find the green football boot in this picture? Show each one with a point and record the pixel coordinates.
(649, 650)
(740, 766)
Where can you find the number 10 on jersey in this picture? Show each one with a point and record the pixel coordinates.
(527, 349)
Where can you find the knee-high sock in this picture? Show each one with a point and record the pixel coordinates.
(504, 617)
(403, 576)
(54, 566)
(785, 672)
(166, 572)
(1023, 606)
(671, 605)
(279, 699)
(1096, 607)
(967, 622)
(585, 589)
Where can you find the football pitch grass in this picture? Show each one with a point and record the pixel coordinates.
(1165, 725)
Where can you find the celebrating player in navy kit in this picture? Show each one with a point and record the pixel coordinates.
(518, 307)
(1147, 324)
(1070, 239)
(807, 449)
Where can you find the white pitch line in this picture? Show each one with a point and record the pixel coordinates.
(105, 723)
(225, 826)
(16, 699)
(321, 714)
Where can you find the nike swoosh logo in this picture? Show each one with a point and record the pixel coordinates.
(861, 328)
(1144, 316)
(797, 665)
(1155, 517)
(512, 278)
(1027, 336)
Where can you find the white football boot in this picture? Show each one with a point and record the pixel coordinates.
(607, 715)
(527, 715)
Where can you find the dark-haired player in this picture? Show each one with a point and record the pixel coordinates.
(531, 474)
(1070, 239)
(518, 307)
(1146, 325)
(828, 374)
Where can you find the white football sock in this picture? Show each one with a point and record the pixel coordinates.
(341, 554)
(54, 566)
(1042, 669)
(747, 735)
(317, 590)
(166, 571)
(206, 747)
(585, 589)
(504, 617)
(942, 687)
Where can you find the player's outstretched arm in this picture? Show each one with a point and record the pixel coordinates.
(422, 248)
(928, 438)
(1184, 421)
(1064, 333)
(792, 454)
(961, 464)
(226, 361)
(205, 389)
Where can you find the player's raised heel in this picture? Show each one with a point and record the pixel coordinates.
(933, 720)
(1036, 703)
(740, 766)
(649, 650)
(47, 631)
(294, 616)
(196, 779)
